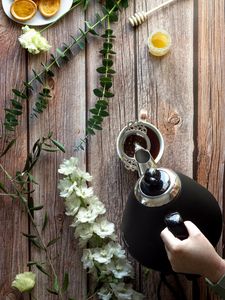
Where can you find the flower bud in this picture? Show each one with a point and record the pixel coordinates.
(24, 282)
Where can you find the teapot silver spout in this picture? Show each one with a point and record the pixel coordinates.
(144, 160)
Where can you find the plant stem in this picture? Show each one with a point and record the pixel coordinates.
(20, 195)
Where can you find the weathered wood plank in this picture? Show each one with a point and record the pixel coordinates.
(211, 101)
(112, 182)
(13, 221)
(165, 89)
(65, 117)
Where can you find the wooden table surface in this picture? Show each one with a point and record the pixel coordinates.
(183, 92)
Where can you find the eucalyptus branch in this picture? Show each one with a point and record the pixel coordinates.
(19, 185)
(12, 114)
(99, 111)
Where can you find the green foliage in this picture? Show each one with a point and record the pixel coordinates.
(63, 54)
(100, 110)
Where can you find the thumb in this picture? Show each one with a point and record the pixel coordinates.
(169, 239)
(192, 228)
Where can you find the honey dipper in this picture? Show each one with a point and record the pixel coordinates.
(140, 17)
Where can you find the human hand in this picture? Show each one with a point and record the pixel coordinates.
(194, 255)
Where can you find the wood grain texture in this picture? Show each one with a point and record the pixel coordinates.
(65, 117)
(112, 182)
(184, 94)
(13, 221)
(210, 122)
(165, 89)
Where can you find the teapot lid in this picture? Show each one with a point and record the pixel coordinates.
(157, 187)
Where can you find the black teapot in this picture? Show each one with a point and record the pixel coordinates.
(159, 199)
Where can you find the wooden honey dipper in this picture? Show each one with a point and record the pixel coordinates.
(140, 17)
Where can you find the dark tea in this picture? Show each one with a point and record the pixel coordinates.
(131, 140)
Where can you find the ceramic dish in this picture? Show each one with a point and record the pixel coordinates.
(38, 19)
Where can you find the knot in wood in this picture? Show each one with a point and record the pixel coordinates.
(174, 119)
(59, 217)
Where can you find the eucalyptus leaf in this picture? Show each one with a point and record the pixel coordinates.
(65, 282)
(42, 270)
(59, 145)
(45, 222)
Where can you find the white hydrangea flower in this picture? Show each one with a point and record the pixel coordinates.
(103, 228)
(85, 176)
(84, 231)
(120, 268)
(125, 292)
(89, 214)
(118, 251)
(33, 41)
(103, 255)
(87, 259)
(66, 187)
(84, 192)
(122, 291)
(68, 166)
(104, 293)
(72, 204)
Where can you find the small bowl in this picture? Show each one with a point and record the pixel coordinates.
(159, 42)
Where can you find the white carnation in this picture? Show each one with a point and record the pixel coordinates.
(68, 166)
(33, 41)
(103, 228)
(120, 268)
(87, 259)
(72, 204)
(104, 293)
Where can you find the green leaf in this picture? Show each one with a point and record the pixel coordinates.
(59, 145)
(94, 111)
(104, 113)
(37, 77)
(28, 85)
(10, 144)
(56, 284)
(97, 127)
(55, 60)
(52, 292)
(65, 282)
(16, 104)
(98, 92)
(124, 3)
(90, 131)
(31, 263)
(108, 94)
(60, 52)
(107, 46)
(53, 241)
(45, 222)
(113, 17)
(14, 111)
(29, 236)
(42, 269)
(36, 243)
(19, 94)
(36, 207)
(107, 62)
(3, 188)
(101, 70)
